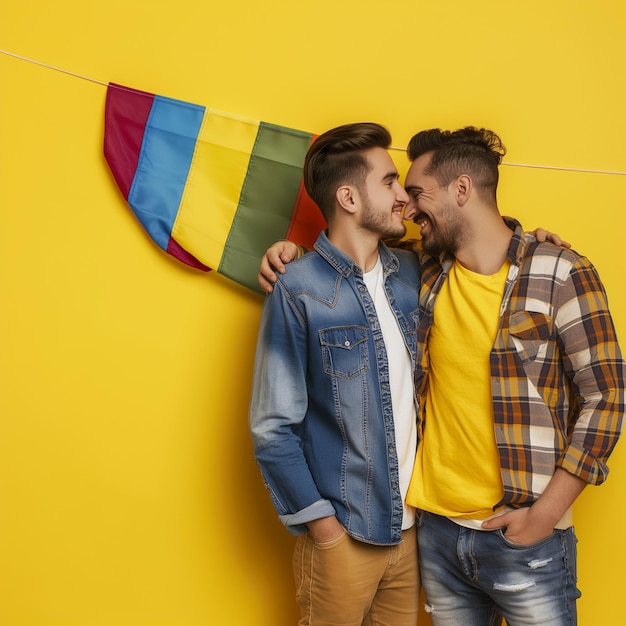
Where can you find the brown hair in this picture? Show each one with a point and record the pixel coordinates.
(474, 151)
(336, 158)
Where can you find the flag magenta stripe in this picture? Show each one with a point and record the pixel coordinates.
(168, 145)
(178, 252)
(126, 114)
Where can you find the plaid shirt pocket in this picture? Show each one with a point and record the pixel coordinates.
(530, 332)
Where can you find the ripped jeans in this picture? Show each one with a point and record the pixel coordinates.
(476, 577)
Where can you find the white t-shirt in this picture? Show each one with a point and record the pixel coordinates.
(401, 384)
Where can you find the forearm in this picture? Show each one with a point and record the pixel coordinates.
(558, 496)
(530, 524)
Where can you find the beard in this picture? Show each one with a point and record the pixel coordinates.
(445, 238)
(381, 224)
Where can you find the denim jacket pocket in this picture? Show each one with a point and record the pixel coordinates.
(344, 350)
(530, 332)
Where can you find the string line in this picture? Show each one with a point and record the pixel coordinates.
(51, 67)
(543, 167)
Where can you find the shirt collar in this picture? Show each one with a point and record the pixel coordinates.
(516, 250)
(518, 244)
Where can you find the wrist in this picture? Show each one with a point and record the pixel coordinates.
(325, 529)
(546, 517)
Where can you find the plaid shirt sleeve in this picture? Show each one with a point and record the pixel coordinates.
(593, 362)
(557, 373)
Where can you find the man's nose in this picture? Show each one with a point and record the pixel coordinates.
(410, 211)
(402, 194)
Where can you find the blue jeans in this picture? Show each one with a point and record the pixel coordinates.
(474, 577)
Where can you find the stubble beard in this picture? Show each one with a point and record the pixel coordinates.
(376, 223)
(444, 239)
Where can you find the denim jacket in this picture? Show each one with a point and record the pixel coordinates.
(320, 413)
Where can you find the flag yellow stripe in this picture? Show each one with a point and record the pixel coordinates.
(216, 176)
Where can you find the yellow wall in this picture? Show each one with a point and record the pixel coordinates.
(128, 495)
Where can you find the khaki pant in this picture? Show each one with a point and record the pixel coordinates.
(349, 583)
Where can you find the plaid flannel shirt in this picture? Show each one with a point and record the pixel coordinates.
(557, 373)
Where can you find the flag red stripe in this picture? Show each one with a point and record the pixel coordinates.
(307, 220)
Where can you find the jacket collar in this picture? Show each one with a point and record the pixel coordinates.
(344, 265)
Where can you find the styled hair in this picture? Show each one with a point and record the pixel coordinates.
(470, 150)
(337, 158)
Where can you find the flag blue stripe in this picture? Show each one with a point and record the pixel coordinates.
(166, 152)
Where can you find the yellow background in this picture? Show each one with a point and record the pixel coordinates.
(128, 493)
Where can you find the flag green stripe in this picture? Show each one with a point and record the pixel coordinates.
(267, 200)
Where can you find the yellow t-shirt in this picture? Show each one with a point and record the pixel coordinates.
(457, 469)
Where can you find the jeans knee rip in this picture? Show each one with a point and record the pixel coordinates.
(536, 564)
(515, 587)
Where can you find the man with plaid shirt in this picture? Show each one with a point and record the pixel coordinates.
(521, 389)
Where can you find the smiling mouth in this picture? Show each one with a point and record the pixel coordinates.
(422, 220)
(398, 210)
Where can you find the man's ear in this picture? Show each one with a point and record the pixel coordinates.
(463, 187)
(348, 198)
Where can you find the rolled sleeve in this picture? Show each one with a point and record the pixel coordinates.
(296, 522)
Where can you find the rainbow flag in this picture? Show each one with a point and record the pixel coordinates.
(212, 189)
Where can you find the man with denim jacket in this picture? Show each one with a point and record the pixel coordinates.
(521, 387)
(332, 413)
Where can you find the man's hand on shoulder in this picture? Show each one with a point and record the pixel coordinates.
(274, 260)
(542, 235)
